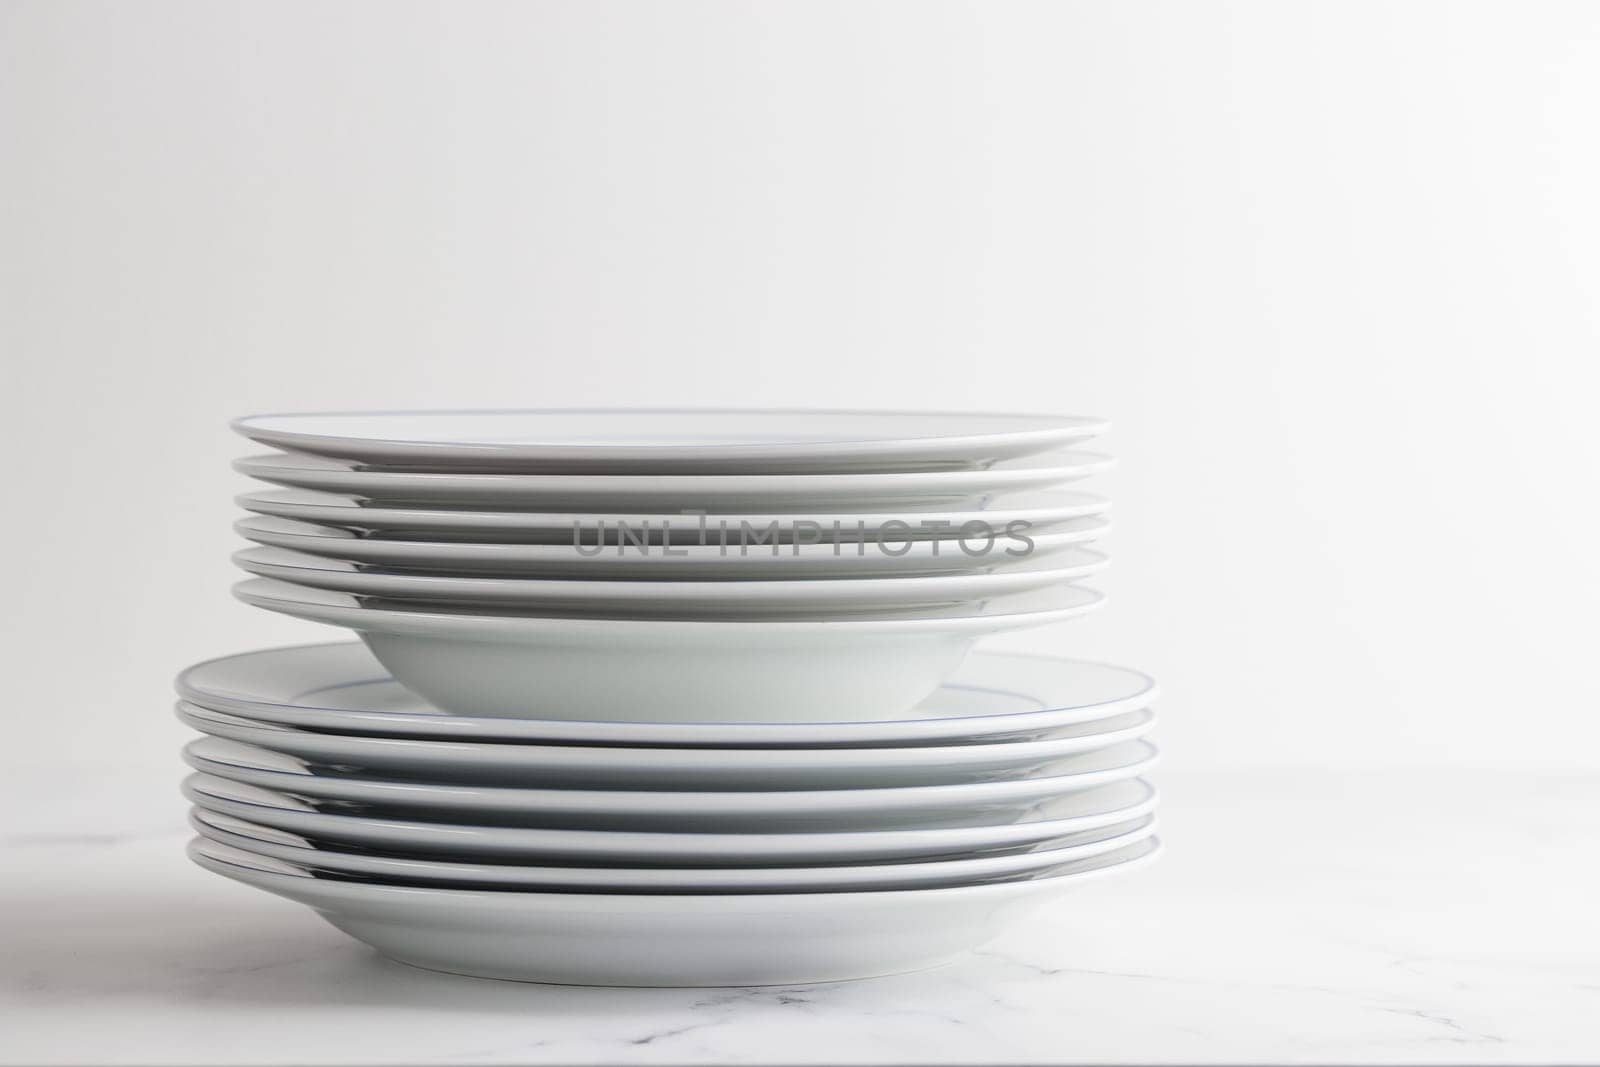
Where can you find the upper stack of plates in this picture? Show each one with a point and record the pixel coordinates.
(669, 697)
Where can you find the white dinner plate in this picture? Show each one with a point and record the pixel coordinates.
(979, 523)
(657, 562)
(659, 441)
(1039, 825)
(631, 767)
(899, 491)
(681, 670)
(644, 599)
(712, 939)
(513, 810)
(291, 848)
(341, 688)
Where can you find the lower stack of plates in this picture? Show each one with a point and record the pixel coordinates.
(665, 852)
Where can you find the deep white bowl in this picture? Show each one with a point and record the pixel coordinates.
(856, 668)
(775, 598)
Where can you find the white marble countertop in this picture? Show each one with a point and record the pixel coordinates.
(1298, 917)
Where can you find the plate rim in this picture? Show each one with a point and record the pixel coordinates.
(1148, 694)
(1051, 427)
(589, 901)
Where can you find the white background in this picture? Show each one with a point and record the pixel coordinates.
(1331, 268)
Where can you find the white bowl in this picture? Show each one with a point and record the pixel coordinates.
(239, 742)
(643, 599)
(340, 688)
(658, 563)
(659, 441)
(969, 870)
(712, 939)
(1038, 824)
(484, 810)
(901, 491)
(670, 670)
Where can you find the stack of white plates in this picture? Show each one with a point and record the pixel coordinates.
(669, 698)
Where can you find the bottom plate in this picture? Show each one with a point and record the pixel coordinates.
(684, 940)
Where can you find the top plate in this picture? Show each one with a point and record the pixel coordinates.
(663, 440)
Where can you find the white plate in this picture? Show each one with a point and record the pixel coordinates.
(642, 599)
(513, 810)
(905, 490)
(1038, 825)
(654, 562)
(594, 767)
(681, 670)
(710, 939)
(291, 848)
(341, 688)
(657, 441)
(982, 521)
